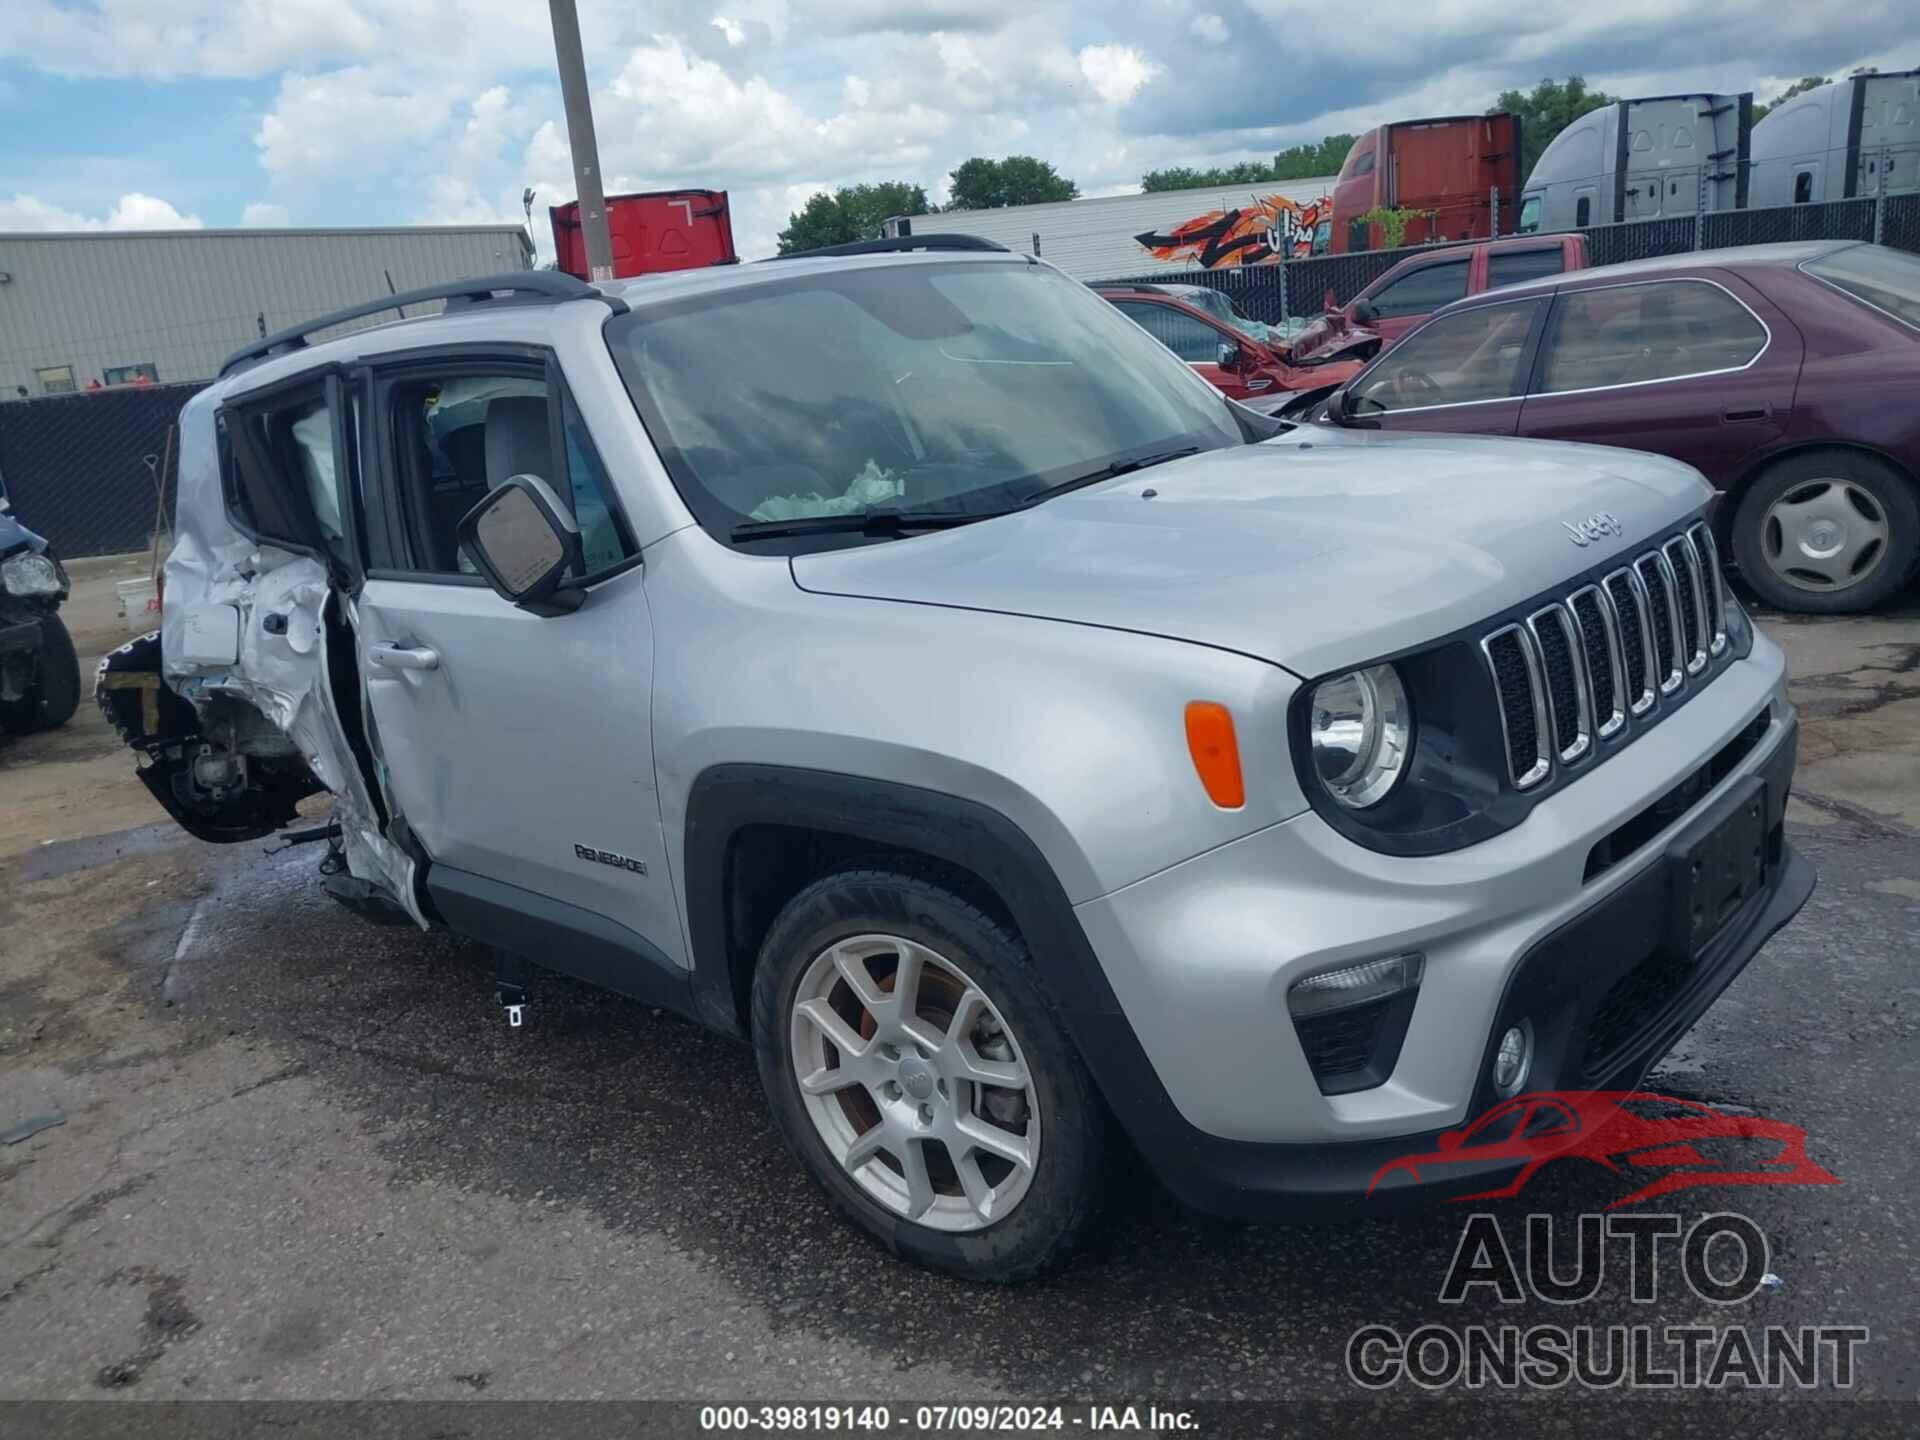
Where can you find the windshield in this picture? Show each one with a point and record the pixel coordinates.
(1883, 278)
(909, 388)
(1216, 304)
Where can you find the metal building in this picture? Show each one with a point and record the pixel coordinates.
(1110, 236)
(118, 307)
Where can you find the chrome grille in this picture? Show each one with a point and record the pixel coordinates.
(1600, 643)
(1716, 587)
(1523, 704)
(1568, 687)
(1656, 575)
(1690, 591)
(1577, 670)
(1629, 599)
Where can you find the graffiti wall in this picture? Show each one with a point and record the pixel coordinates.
(1271, 229)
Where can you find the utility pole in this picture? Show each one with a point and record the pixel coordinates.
(586, 150)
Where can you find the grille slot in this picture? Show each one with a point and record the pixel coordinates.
(1523, 704)
(1690, 591)
(1600, 644)
(1657, 579)
(1561, 666)
(1716, 587)
(1636, 637)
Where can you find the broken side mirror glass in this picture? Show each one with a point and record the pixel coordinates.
(525, 543)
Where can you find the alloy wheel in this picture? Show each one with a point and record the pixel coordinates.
(914, 1082)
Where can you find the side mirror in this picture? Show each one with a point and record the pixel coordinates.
(1229, 357)
(524, 542)
(1364, 313)
(1337, 406)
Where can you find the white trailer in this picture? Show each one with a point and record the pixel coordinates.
(1859, 136)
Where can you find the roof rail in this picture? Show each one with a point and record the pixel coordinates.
(536, 287)
(895, 243)
(1135, 285)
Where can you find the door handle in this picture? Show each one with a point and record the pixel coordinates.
(1755, 413)
(399, 657)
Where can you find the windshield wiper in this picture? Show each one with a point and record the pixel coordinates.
(1109, 472)
(866, 522)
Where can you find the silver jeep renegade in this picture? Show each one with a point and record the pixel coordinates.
(895, 658)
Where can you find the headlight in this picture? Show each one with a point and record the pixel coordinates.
(1361, 729)
(29, 574)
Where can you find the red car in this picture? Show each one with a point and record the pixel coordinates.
(1233, 361)
(1785, 374)
(1622, 1131)
(1421, 284)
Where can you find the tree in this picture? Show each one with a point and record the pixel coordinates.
(1799, 87)
(1298, 162)
(981, 184)
(853, 212)
(1550, 108)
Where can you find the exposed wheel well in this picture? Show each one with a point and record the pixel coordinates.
(768, 864)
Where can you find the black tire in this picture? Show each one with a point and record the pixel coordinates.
(1891, 491)
(55, 693)
(1060, 1207)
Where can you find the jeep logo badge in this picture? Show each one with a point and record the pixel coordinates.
(1596, 526)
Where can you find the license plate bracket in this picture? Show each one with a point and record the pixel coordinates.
(1717, 865)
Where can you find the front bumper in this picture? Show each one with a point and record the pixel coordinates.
(1227, 1108)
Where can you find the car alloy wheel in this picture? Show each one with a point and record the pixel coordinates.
(914, 1082)
(1825, 535)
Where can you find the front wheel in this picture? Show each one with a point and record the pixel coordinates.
(1828, 533)
(54, 693)
(916, 1070)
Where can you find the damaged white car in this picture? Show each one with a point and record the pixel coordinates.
(901, 662)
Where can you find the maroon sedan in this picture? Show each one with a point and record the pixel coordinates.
(1789, 375)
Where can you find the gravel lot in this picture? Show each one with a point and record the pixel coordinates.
(303, 1158)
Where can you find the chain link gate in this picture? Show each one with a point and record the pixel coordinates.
(82, 469)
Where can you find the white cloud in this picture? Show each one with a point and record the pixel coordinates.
(1209, 29)
(132, 211)
(264, 215)
(347, 120)
(736, 34)
(1116, 72)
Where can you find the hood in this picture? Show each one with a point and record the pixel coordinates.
(1318, 549)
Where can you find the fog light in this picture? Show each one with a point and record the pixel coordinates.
(1353, 985)
(1513, 1059)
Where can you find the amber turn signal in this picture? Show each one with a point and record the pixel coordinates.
(1216, 754)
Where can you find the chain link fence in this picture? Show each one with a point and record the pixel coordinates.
(1296, 289)
(1831, 220)
(83, 469)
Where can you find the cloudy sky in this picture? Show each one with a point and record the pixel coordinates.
(156, 113)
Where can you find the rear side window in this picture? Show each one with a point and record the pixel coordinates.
(292, 474)
(1626, 334)
(1583, 212)
(1189, 337)
(1885, 279)
(1425, 289)
(1470, 355)
(1803, 187)
(1510, 267)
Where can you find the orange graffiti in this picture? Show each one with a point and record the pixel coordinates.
(1271, 229)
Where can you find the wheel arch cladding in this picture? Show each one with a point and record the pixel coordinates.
(784, 827)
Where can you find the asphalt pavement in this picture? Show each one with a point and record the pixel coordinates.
(301, 1157)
